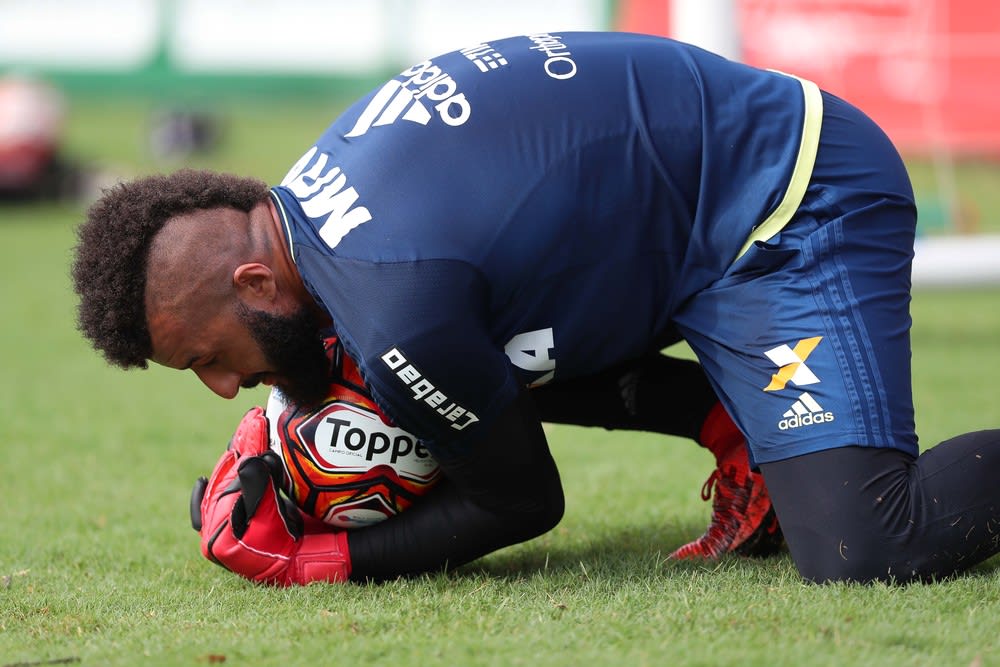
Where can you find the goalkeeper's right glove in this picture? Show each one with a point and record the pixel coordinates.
(249, 527)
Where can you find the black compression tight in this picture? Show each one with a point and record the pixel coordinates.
(656, 393)
(867, 514)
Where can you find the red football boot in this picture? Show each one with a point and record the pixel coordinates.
(743, 520)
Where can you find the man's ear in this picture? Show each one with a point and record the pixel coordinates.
(255, 284)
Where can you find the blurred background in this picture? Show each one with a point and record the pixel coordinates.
(96, 91)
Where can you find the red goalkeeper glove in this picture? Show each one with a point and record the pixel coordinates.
(249, 527)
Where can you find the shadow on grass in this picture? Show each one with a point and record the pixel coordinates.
(625, 553)
(642, 551)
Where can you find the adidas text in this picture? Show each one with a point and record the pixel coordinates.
(425, 82)
(807, 419)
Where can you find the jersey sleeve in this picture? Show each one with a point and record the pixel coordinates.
(418, 332)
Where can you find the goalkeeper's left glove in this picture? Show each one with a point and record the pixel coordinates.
(249, 527)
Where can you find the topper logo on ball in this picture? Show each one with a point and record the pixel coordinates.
(341, 430)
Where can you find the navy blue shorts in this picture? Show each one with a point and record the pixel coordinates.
(806, 336)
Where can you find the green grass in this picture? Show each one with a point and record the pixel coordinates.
(99, 564)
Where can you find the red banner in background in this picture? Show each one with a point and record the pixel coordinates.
(928, 71)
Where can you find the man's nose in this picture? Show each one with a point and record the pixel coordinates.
(224, 383)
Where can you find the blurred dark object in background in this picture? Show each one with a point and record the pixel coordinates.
(176, 134)
(32, 167)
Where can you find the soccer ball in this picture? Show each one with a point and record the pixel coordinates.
(345, 462)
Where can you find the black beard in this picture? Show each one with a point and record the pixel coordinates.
(294, 347)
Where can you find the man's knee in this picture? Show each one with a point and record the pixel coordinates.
(847, 560)
(875, 514)
(845, 513)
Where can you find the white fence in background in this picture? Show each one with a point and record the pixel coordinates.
(268, 36)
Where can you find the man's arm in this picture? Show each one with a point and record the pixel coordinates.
(505, 491)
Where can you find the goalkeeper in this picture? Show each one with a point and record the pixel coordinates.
(537, 211)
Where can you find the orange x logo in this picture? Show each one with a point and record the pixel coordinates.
(791, 363)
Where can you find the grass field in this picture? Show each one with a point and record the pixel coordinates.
(100, 567)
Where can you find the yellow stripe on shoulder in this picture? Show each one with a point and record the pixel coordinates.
(801, 173)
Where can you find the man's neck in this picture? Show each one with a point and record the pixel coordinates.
(282, 263)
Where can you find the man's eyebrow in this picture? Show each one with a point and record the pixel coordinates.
(190, 363)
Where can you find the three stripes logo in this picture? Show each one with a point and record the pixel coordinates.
(792, 368)
(426, 87)
(804, 412)
(392, 102)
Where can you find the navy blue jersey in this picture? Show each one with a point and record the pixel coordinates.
(535, 209)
